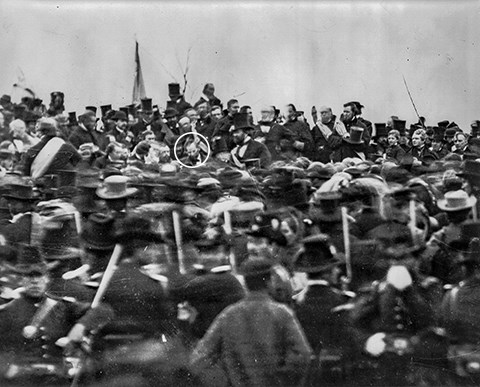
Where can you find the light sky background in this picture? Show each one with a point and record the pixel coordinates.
(265, 52)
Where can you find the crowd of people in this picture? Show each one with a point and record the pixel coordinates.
(191, 245)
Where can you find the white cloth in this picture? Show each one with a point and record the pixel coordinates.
(45, 157)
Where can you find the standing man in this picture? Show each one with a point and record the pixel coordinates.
(177, 99)
(258, 341)
(350, 118)
(146, 120)
(221, 133)
(208, 95)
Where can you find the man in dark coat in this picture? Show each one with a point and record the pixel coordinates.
(247, 148)
(50, 155)
(350, 118)
(270, 133)
(206, 123)
(208, 95)
(119, 132)
(177, 100)
(325, 136)
(302, 138)
(421, 154)
(82, 134)
(146, 121)
(221, 134)
(258, 341)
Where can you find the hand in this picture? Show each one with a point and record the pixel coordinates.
(375, 344)
(77, 333)
(399, 277)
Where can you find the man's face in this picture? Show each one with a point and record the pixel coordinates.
(150, 137)
(172, 121)
(121, 124)
(202, 110)
(164, 155)
(460, 141)
(348, 113)
(436, 145)
(417, 141)
(209, 90)
(238, 136)
(289, 114)
(192, 152)
(185, 124)
(217, 114)
(35, 284)
(90, 122)
(326, 115)
(119, 154)
(234, 108)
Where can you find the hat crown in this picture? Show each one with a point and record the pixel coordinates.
(146, 104)
(29, 260)
(356, 135)
(115, 184)
(456, 199)
(173, 89)
(241, 120)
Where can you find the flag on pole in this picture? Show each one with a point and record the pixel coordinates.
(138, 85)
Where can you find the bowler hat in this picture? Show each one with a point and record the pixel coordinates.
(355, 135)
(450, 132)
(174, 89)
(119, 115)
(241, 121)
(29, 261)
(115, 187)
(98, 232)
(318, 254)
(456, 201)
(170, 112)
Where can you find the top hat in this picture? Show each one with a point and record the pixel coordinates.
(456, 201)
(105, 109)
(146, 105)
(21, 192)
(174, 89)
(381, 130)
(473, 253)
(98, 232)
(241, 121)
(399, 125)
(91, 108)
(317, 255)
(72, 118)
(115, 187)
(29, 261)
(54, 94)
(125, 110)
(355, 135)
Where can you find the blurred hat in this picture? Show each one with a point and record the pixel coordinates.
(317, 255)
(21, 192)
(229, 177)
(470, 168)
(119, 115)
(88, 178)
(170, 112)
(136, 227)
(29, 261)
(72, 118)
(355, 136)
(98, 232)
(91, 108)
(115, 187)
(267, 225)
(317, 171)
(60, 239)
(5, 98)
(468, 231)
(256, 267)
(450, 132)
(243, 213)
(473, 252)
(456, 201)
(443, 124)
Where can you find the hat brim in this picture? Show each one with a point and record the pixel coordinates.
(104, 194)
(233, 129)
(20, 198)
(354, 142)
(442, 205)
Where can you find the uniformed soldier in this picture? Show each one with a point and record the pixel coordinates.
(31, 325)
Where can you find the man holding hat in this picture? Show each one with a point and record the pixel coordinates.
(116, 193)
(246, 338)
(31, 325)
(83, 133)
(246, 148)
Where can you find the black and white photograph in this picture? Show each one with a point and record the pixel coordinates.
(238, 194)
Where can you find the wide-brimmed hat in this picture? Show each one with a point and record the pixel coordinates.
(115, 187)
(105, 109)
(30, 261)
(99, 233)
(456, 201)
(355, 136)
(21, 192)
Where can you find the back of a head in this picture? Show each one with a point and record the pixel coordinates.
(257, 273)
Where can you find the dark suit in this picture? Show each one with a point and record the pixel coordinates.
(180, 105)
(301, 132)
(254, 150)
(270, 134)
(81, 136)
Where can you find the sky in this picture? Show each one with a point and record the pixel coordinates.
(260, 52)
